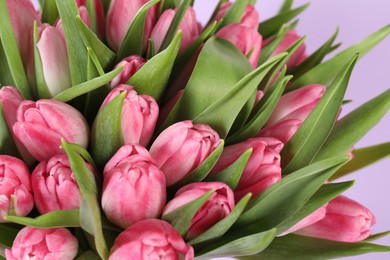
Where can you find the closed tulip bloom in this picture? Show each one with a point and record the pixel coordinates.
(40, 243)
(250, 17)
(216, 208)
(139, 115)
(151, 239)
(261, 171)
(130, 65)
(346, 220)
(126, 197)
(245, 38)
(189, 27)
(15, 187)
(44, 123)
(282, 131)
(182, 147)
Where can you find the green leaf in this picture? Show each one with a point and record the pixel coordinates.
(106, 133)
(181, 217)
(325, 72)
(234, 14)
(133, 41)
(168, 4)
(267, 50)
(309, 138)
(232, 174)
(87, 87)
(54, 219)
(300, 247)
(49, 12)
(11, 52)
(272, 25)
(351, 128)
(90, 5)
(5, 72)
(362, 158)
(8, 233)
(286, 6)
(325, 194)
(220, 228)
(153, 76)
(77, 53)
(377, 236)
(7, 144)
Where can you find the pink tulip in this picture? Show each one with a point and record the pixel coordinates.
(130, 66)
(346, 220)
(139, 115)
(245, 38)
(44, 123)
(250, 17)
(40, 243)
(99, 13)
(54, 185)
(127, 196)
(189, 26)
(216, 208)
(151, 239)
(282, 131)
(261, 171)
(182, 147)
(119, 18)
(15, 187)
(259, 96)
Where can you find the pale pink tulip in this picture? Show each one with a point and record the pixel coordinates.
(216, 208)
(346, 220)
(44, 123)
(127, 196)
(139, 115)
(250, 17)
(40, 243)
(130, 65)
(182, 147)
(151, 239)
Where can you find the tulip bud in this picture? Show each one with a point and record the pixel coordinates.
(250, 17)
(44, 123)
(182, 147)
(245, 38)
(15, 188)
(128, 181)
(261, 171)
(150, 239)
(216, 208)
(189, 27)
(346, 220)
(139, 115)
(40, 243)
(282, 131)
(130, 66)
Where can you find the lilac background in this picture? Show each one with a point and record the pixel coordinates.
(356, 19)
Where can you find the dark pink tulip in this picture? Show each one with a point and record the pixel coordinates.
(119, 18)
(346, 220)
(40, 243)
(15, 187)
(189, 26)
(130, 65)
(216, 208)
(245, 38)
(139, 115)
(250, 17)
(182, 147)
(127, 186)
(151, 239)
(44, 123)
(99, 12)
(263, 168)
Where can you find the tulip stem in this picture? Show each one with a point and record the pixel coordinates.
(2, 250)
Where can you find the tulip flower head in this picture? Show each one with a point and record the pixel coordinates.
(130, 65)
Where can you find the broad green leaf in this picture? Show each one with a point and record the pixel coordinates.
(133, 41)
(7, 144)
(272, 25)
(232, 174)
(297, 247)
(153, 76)
(5, 72)
(87, 86)
(77, 53)
(11, 52)
(286, 6)
(49, 12)
(242, 246)
(268, 49)
(309, 138)
(325, 72)
(351, 128)
(362, 158)
(54, 219)
(325, 194)
(8, 233)
(234, 14)
(181, 217)
(88, 255)
(376, 236)
(220, 228)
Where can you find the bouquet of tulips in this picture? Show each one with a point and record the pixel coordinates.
(128, 130)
